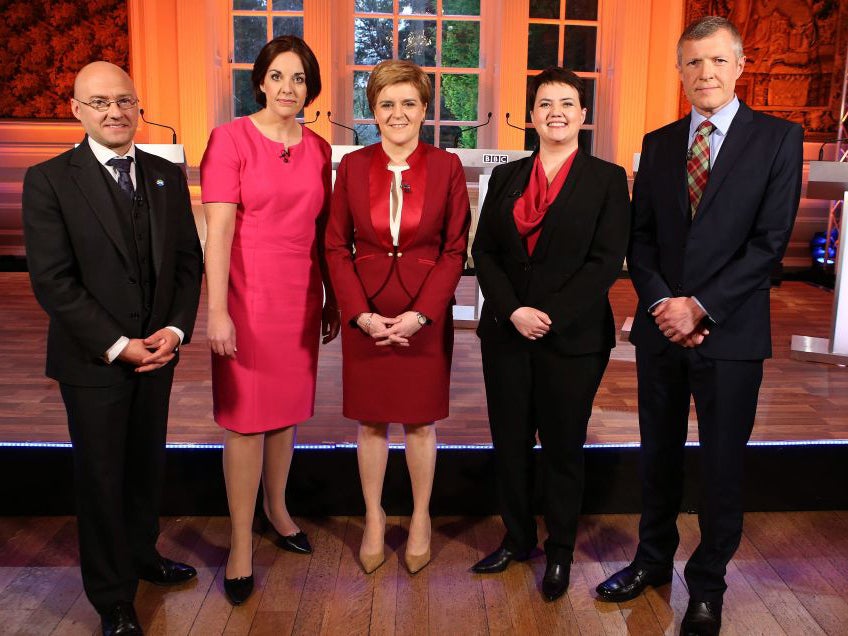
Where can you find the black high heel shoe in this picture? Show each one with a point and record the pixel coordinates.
(239, 589)
(297, 542)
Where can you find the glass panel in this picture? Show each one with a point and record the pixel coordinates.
(544, 9)
(581, 9)
(417, 7)
(372, 40)
(542, 46)
(460, 7)
(360, 100)
(460, 43)
(417, 41)
(368, 133)
(586, 141)
(372, 6)
(288, 26)
(589, 83)
(249, 36)
(428, 134)
(250, 5)
(459, 97)
(431, 107)
(288, 5)
(451, 137)
(580, 48)
(243, 101)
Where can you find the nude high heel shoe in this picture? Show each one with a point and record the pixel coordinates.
(371, 562)
(417, 562)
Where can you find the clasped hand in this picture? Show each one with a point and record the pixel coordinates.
(151, 353)
(389, 331)
(679, 320)
(530, 322)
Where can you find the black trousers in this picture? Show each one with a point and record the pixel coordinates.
(725, 394)
(530, 388)
(118, 437)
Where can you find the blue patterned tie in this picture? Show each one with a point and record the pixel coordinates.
(122, 165)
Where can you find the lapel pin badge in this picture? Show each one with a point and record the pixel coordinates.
(160, 183)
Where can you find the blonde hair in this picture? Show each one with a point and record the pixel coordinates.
(390, 72)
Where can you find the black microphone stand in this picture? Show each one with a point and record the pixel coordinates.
(173, 132)
(462, 130)
(312, 121)
(513, 125)
(353, 130)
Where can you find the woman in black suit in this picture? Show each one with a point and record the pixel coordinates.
(551, 240)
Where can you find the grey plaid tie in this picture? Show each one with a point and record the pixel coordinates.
(122, 165)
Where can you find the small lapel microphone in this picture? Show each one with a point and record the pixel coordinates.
(406, 188)
(285, 154)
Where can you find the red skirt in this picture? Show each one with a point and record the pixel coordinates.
(407, 385)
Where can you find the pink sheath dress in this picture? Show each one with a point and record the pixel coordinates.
(275, 291)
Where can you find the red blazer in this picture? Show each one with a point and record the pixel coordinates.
(433, 233)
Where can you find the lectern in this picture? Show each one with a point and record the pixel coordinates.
(829, 180)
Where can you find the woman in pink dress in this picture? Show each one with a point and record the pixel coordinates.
(266, 188)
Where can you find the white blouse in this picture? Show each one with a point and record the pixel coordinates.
(396, 201)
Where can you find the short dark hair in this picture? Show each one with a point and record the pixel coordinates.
(269, 53)
(704, 28)
(555, 75)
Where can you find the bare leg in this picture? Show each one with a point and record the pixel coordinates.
(242, 467)
(276, 461)
(421, 461)
(372, 452)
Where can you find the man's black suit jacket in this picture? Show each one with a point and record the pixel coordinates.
(577, 258)
(79, 261)
(725, 256)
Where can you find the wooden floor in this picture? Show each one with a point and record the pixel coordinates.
(798, 400)
(789, 576)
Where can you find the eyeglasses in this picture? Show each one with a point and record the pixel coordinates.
(102, 105)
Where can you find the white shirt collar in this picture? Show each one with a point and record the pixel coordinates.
(104, 154)
(721, 119)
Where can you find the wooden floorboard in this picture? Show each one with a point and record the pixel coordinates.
(788, 577)
(798, 400)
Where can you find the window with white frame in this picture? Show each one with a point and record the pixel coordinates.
(565, 33)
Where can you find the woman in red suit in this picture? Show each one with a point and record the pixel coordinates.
(396, 243)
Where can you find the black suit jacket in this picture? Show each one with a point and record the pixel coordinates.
(79, 261)
(725, 256)
(580, 252)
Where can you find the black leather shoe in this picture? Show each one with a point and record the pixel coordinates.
(167, 572)
(297, 543)
(702, 618)
(238, 590)
(630, 582)
(120, 620)
(497, 561)
(555, 581)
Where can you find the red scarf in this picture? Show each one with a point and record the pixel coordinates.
(530, 209)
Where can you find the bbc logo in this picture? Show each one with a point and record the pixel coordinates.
(495, 158)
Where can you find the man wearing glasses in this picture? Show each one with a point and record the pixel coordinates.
(115, 262)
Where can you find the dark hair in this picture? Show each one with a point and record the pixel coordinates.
(555, 75)
(269, 53)
(704, 28)
(390, 72)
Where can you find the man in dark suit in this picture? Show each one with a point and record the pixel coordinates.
(115, 262)
(714, 202)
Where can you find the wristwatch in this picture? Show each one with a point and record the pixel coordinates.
(422, 319)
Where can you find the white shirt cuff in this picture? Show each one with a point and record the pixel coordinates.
(115, 350)
(180, 333)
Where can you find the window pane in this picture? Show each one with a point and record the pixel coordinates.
(448, 137)
(544, 9)
(250, 5)
(360, 100)
(249, 36)
(431, 107)
(288, 26)
(368, 134)
(417, 7)
(580, 48)
(531, 139)
(459, 97)
(586, 141)
(417, 41)
(427, 134)
(372, 6)
(372, 40)
(288, 5)
(589, 84)
(460, 7)
(243, 101)
(460, 44)
(581, 9)
(542, 46)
